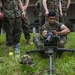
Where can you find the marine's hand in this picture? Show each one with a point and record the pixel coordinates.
(55, 32)
(61, 14)
(23, 14)
(46, 13)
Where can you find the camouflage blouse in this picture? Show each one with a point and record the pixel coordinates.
(56, 26)
(11, 8)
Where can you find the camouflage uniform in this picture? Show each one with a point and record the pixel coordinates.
(12, 21)
(41, 13)
(38, 41)
(52, 5)
(64, 11)
(26, 25)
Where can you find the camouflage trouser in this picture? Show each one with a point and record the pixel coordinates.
(13, 28)
(63, 18)
(26, 28)
(41, 19)
(38, 42)
(57, 15)
(62, 41)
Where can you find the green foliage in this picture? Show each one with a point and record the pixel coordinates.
(62, 66)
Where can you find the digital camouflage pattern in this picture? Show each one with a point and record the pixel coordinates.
(11, 8)
(26, 28)
(64, 11)
(12, 21)
(26, 25)
(13, 32)
(39, 40)
(52, 5)
(26, 59)
(57, 26)
(64, 4)
(49, 27)
(40, 10)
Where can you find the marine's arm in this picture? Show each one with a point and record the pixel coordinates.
(60, 8)
(20, 5)
(68, 3)
(21, 8)
(64, 30)
(45, 7)
(26, 4)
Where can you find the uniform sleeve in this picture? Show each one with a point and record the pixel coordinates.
(62, 25)
(44, 27)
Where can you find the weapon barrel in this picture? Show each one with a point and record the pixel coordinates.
(48, 39)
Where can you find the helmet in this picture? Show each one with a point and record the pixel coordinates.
(26, 59)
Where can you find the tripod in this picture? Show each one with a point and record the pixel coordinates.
(49, 50)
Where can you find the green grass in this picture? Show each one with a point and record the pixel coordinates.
(62, 66)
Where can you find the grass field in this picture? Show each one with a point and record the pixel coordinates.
(62, 66)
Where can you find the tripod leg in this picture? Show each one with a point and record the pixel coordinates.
(51, 67)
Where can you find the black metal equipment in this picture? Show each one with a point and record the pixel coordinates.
(49, 51)
(51, 46)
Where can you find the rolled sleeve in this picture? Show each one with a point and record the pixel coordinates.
(62, 26)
